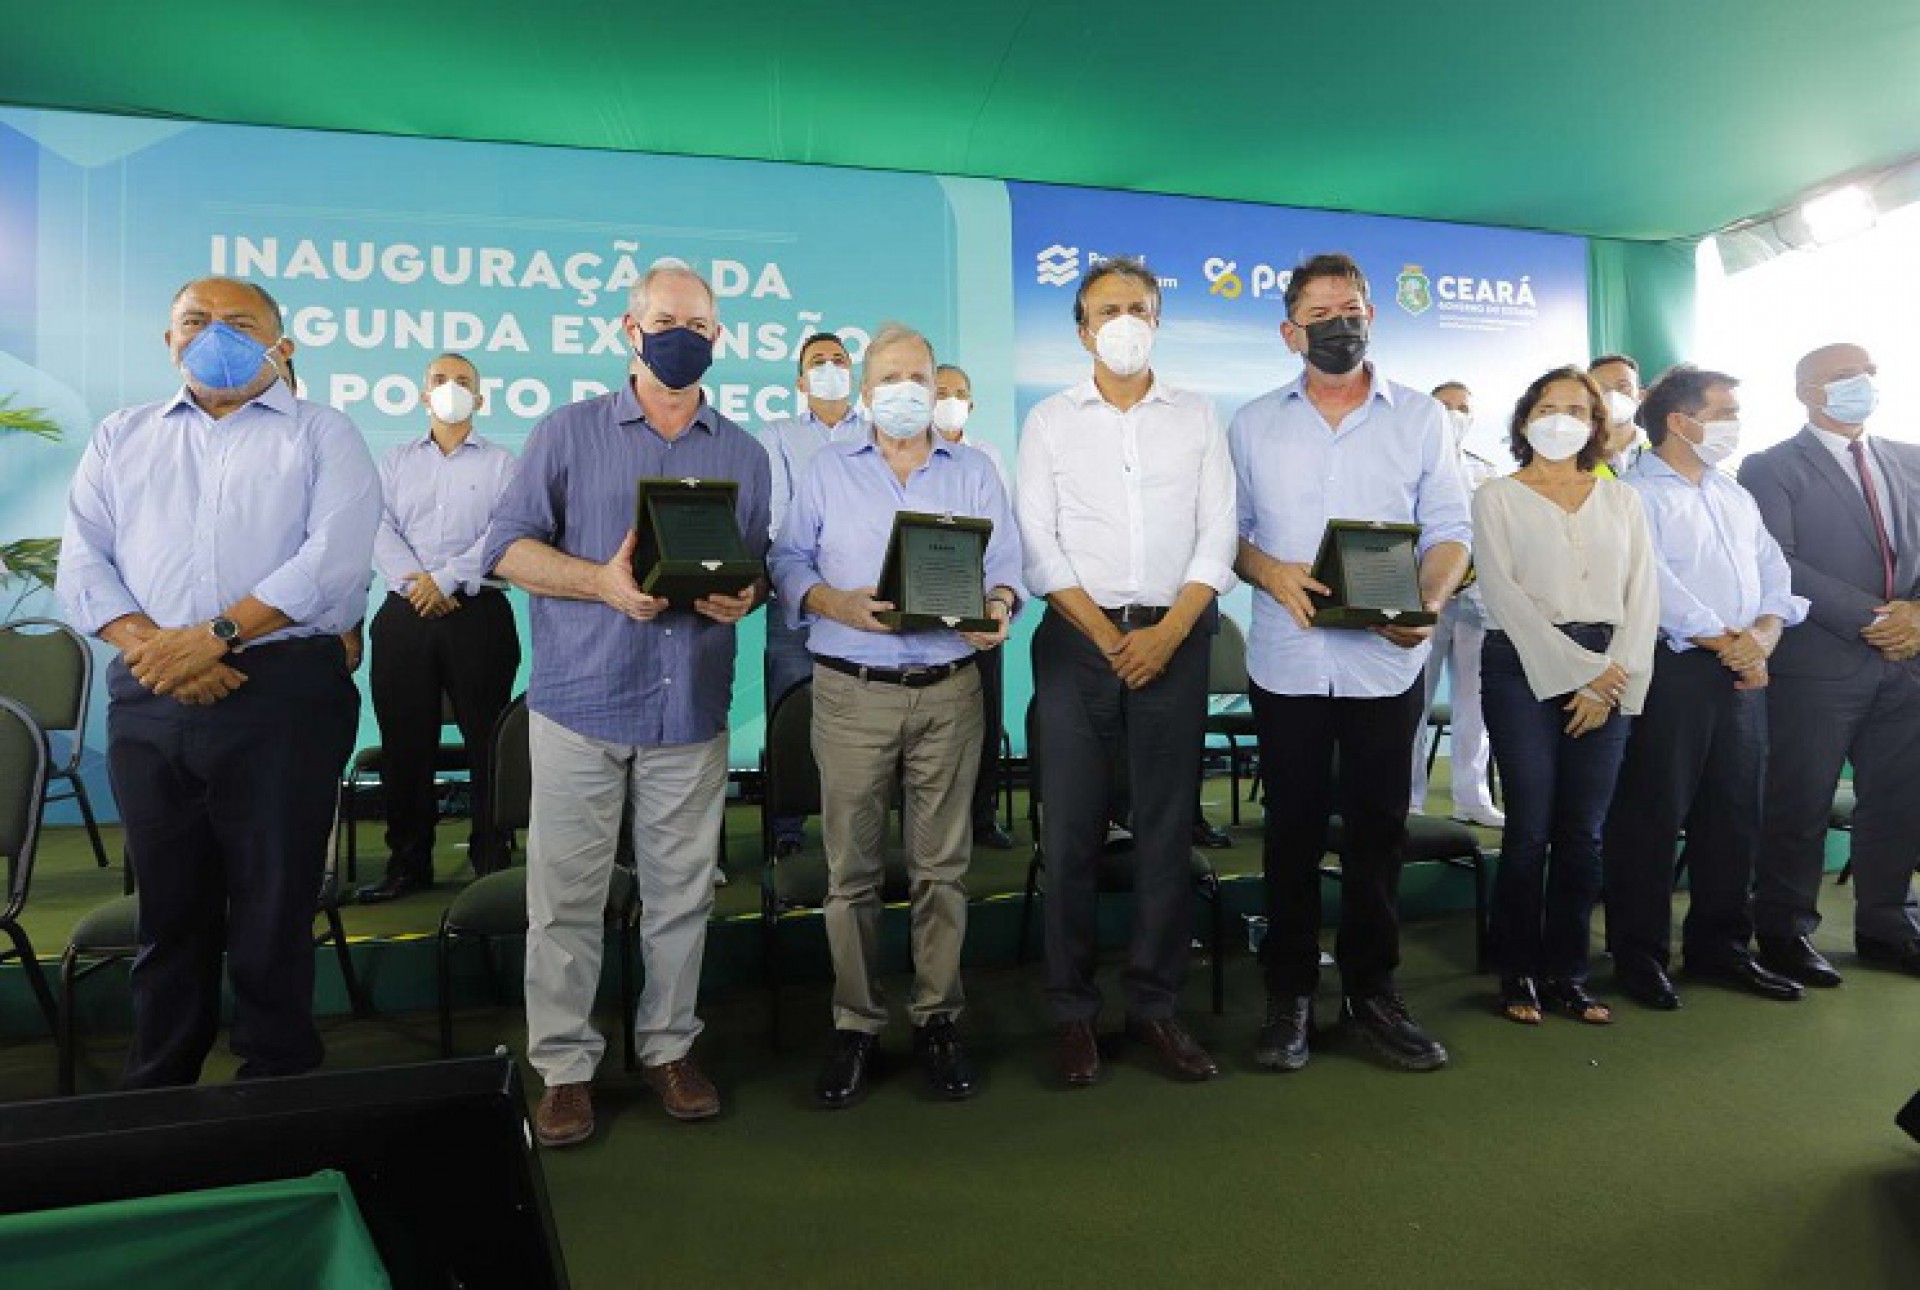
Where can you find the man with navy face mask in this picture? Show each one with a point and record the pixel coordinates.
(220, 541)
(1845, 687)
(890, 706)
(628, 701)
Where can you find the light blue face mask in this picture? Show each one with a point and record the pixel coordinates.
(902, 409)
(222, 357)
(1852, 401)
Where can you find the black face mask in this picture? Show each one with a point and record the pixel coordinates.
(1336, 345)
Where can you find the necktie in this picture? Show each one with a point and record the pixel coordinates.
(1859, 451)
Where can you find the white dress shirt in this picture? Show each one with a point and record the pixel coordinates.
(1719, 567)
(1842, 449)
(1128, 506)
(1541, 566)
(436, 508)
(1392, 459)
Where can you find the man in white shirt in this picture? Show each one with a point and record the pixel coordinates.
(1340, 442)
(1696, 760)
(1125, 502)
(1457, 638)
(828, 414)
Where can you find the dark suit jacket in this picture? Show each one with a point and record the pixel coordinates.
(1817, 513)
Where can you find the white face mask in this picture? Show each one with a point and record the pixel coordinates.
(1719, 440)
(1460, 423)
(1620, 407)
(1852, 400)
(1557, 436)
(829, 382)
(902, 409)
(1124, 344)
(451, 404)
(950, 415)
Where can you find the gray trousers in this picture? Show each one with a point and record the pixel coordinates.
(866, 733)
(580, 787)
(1872, 719)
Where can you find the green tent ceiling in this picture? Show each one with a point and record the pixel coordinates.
(1640, 119)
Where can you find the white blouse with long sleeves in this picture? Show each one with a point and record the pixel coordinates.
(1540, 566)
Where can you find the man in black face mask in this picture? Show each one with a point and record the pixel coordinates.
(1339, 442)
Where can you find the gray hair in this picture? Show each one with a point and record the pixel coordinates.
(641, 295)
(893, 333)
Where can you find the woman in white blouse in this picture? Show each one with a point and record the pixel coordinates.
(1566, 569)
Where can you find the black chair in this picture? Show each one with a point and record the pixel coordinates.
(1439, 726)
(1431, 841)
(110, 934)
(495, 907)
(1228, 716)
(1114, 874)
(369, 767)
(49, 671)
(796, 887)
(24, 768)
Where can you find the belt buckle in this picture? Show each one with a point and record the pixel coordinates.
(908, 673)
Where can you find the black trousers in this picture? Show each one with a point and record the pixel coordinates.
(1696, 760)
(1085, 717)
(1301, 739)
(993, 689)
(471, 655)
(228, 809)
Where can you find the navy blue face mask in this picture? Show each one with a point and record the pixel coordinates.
(679, 358)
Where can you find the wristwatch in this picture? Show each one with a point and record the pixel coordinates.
(226, 631)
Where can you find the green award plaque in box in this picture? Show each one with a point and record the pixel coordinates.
(689, 544)
(935, 574)
(1374, 571)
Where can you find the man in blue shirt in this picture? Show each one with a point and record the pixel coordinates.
(890, 705)
(1697, 757)
(1340, 442)
(628, 701)
(220, 541)
(445, 631)
(828, 414)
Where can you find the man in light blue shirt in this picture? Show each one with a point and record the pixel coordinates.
(893, 706)
(220, 541)
(1697, 756)
(1340, 442)
(828, 414)
(445, 633)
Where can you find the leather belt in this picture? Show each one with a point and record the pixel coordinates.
(914, 678)
(1136, 615)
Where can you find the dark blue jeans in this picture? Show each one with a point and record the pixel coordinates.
(1558, 789)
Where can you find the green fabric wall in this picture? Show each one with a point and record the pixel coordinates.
(1640, 300)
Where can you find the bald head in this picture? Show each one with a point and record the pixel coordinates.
(1831, 363)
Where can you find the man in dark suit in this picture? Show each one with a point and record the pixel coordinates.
(1845, 508)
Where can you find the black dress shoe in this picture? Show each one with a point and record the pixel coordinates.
(1389, 1029)
(988, 833)
(392, 887)
(1210, 836)
(1648, 985)
(1282, 1045)
(1795, 958)
(1178, 1051)
(1077, 1052)
(1744, 974)
(1889, 954)
(784, 847)
(843, 1080)
(949, 1070)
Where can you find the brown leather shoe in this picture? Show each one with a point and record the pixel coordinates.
(685, 1093)
(1183, 1058)
(565, 1115)
(1078, 1052)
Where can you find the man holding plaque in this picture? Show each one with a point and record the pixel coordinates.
(628, 700)
(897, 705)
(1339, 445)
(827, 414)
(1126, 511)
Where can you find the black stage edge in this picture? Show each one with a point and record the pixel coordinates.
(440, 1155)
